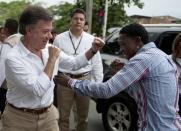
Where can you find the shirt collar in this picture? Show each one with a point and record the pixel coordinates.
(24, 51)
(74, 36)
(147, 46)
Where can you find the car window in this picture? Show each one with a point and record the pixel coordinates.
(165, 40)
(113, 37)
(112, 47)
(162, 36)
(153, 36)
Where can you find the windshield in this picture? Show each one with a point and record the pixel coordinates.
(112, 46)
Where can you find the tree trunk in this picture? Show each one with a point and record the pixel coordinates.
(89, 5)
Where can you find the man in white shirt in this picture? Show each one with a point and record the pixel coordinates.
(30, 68)
(73, 42)
(12, 38)
(9, 30)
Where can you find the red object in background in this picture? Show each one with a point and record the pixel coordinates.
(101, 13)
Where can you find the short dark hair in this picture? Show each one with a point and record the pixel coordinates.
(86, 23)
(31, 15)
(78, 10)
(135, 29)
(11, 25)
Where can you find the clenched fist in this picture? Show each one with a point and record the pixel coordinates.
(97, 44)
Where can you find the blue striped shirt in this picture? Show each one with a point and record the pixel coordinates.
(150, 77)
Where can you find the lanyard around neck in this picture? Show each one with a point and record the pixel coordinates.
(75, 48)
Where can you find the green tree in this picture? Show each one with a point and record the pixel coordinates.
(61, 13)
(13, 9)
(116, 15)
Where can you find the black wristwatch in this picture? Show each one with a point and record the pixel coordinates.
(92, 51)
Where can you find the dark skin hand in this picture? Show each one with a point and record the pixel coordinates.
(62, 79)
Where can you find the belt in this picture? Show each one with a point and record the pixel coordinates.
(77, 75)
(33, 111)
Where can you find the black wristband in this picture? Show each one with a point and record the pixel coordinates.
(92, 51)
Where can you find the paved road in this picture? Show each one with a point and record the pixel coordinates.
(0, 125)
(95, 121)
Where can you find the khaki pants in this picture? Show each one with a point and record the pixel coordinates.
(16, 120)
(66, 98)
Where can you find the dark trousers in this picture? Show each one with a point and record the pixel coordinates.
(2, 99)
(179, 104)
(55, 96)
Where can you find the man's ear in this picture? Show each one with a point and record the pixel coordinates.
(28, 30)
(138, 39)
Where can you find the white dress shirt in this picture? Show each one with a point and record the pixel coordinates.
(3, 54)
(28, 84)
(69, 43)
(9, 42)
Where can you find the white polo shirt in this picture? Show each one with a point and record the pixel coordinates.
(73, 46)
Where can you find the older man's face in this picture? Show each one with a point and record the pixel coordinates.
(40, 33)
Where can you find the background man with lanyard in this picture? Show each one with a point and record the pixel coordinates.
(74, 42)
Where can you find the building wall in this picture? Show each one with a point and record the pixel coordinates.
(155, 20)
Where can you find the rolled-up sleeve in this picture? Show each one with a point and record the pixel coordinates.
(71, 62)
(97, 68)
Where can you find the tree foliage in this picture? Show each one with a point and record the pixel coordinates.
(61, 12)
(12, 9)
(116, 13)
